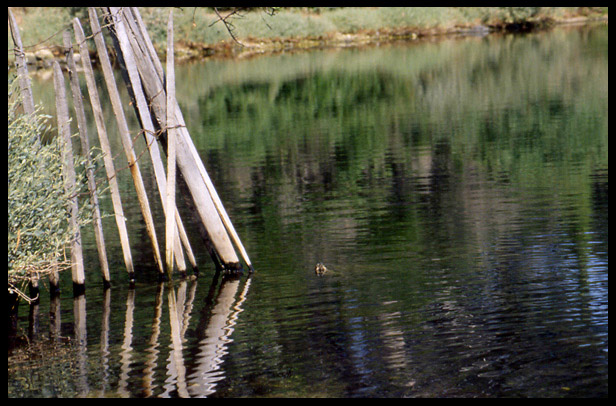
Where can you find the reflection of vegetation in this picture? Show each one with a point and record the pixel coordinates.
(365, 152)
(334, 121)
(464, 178)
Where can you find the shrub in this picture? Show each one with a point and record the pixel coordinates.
(38, 229)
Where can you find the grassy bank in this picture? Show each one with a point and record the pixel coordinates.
(200, 33)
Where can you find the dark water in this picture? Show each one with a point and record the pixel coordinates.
(456, 190)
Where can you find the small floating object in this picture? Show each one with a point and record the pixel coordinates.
(320, 269)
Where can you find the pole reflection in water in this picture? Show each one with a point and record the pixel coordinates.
(127, 349)
(152, 350)
(176, 371)
(133, 350)
(105, 339)
(55, 320)
(216, 336)
(191, 368)
(81, 339)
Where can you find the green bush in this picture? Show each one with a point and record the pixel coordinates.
(37, 200)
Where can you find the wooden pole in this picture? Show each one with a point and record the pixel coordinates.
(141, 33)
(22, 68)
(135, 90)
(68, 173)
(152, 84)
(125, 137)
(143, 37)
(106, 148)
(187, 157)
(85, 146)
(170, 203)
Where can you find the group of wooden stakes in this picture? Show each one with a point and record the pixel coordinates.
(152, 95)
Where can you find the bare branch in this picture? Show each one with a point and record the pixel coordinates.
(228, 25)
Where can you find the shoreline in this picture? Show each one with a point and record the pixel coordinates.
(246, 47)
(249, 47)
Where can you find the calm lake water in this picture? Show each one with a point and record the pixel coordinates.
(456, 189)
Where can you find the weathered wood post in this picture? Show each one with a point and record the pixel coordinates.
(170, 203)
(131, 77)
(144, 41)
(206, 200)
(85, 146)
(149, 81)
(106, 148)
(68, 173)
(22, 67)
(125, 138)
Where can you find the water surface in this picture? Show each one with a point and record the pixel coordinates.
(456, 190)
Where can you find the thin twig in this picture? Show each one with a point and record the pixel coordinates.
(230, 27)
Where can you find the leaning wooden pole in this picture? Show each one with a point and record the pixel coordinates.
(85, 146)
(146, 43)
(145, 112)
(180, 121)
(22, 67)
(170, 202)
(99, 119)
(153, 86)
(133, 165)
(131, 76)
(220, 209)
(188, 159)
(68, 173)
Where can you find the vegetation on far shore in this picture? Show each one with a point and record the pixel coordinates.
(200, 31)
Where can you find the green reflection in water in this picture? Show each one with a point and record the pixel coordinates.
(458, 192)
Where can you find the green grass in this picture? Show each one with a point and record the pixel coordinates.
(42, 27)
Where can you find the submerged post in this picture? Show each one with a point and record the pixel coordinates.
(207, 202)
(131, 77)
(125, 138)
(99, 119)
(68, 174)
(85, 146)
(170, 202)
